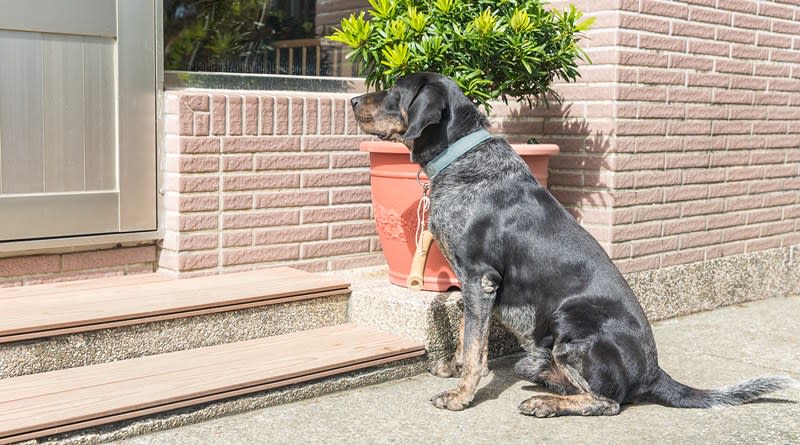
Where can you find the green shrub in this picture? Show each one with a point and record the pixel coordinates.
(491, 48)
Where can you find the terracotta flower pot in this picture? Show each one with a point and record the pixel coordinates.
(395, 195)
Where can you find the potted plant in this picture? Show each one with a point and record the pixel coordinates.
(493, 49)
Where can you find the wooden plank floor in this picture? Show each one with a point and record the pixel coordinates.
(41, 404)
(51, 309)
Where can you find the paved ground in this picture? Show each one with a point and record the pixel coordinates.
(709, 349)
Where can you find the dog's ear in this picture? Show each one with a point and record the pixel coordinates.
(425, 108)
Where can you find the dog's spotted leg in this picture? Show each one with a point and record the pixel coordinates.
(489, 288)
(477, 314)
(485, 357)
(583, 404)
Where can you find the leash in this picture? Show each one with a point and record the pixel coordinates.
(422, 208)
(423, 238)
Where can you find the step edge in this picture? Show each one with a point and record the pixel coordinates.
(134, 318)
(216, 396)
(400, 342)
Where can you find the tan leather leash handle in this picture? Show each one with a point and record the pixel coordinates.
(416, 278)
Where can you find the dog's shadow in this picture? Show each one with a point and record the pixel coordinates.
(502, 378)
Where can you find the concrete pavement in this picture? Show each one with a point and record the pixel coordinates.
(703, 350)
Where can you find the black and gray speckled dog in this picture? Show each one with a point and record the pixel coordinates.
(521, 256)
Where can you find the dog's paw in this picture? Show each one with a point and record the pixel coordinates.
(450, 400)
(537, 406)
(446, 369)
(601, 408)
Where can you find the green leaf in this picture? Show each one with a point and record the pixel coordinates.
(354, 31)
(484, 22)
(396, 56)
(382, 8)
(520, 21)
(416, 19)
(444, 6)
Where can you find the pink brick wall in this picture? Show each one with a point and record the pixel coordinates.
(47, 268)
(260, 179)
(681, 142)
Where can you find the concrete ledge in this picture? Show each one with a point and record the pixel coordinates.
(432, 318)
(685, 289)
(68, 351)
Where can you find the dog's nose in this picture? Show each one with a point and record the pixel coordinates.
(355, 101)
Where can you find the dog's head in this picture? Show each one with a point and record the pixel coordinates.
(422, 106)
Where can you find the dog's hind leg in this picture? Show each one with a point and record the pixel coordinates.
(541, 368)
(584, 404)
(574, 397)
(559, 370)
(478, 301)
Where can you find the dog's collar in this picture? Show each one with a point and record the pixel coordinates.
(455, 151)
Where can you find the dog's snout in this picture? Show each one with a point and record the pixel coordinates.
(355, 101)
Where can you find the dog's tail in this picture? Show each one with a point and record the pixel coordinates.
(666, 391)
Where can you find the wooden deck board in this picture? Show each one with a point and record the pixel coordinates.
(58, 399)
(200, 400)
(80, 285)
(59, 308)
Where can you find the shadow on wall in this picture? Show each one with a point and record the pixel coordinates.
(580, 176)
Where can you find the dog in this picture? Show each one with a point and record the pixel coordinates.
(521, 257)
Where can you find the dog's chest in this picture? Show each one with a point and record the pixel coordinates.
(449, 213)
(444, 223)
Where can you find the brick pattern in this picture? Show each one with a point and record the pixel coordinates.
(263, 179)
(680, 143)
(583, 125)
(50, 268)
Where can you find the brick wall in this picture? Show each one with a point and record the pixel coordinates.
(681, 142)
(264, 179)
(48, 268)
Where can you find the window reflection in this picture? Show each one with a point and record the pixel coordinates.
(255, 36)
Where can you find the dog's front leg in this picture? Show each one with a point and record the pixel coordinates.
(478, 302)
(452, 368)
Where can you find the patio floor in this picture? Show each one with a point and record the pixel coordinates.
(705, 350)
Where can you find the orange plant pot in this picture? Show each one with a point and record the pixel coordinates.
(395, 196)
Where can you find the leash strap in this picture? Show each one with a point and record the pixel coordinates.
(455, 151)
(422, 208)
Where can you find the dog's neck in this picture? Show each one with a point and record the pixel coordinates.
(436, 138)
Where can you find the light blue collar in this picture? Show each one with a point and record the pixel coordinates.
(455, 151)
